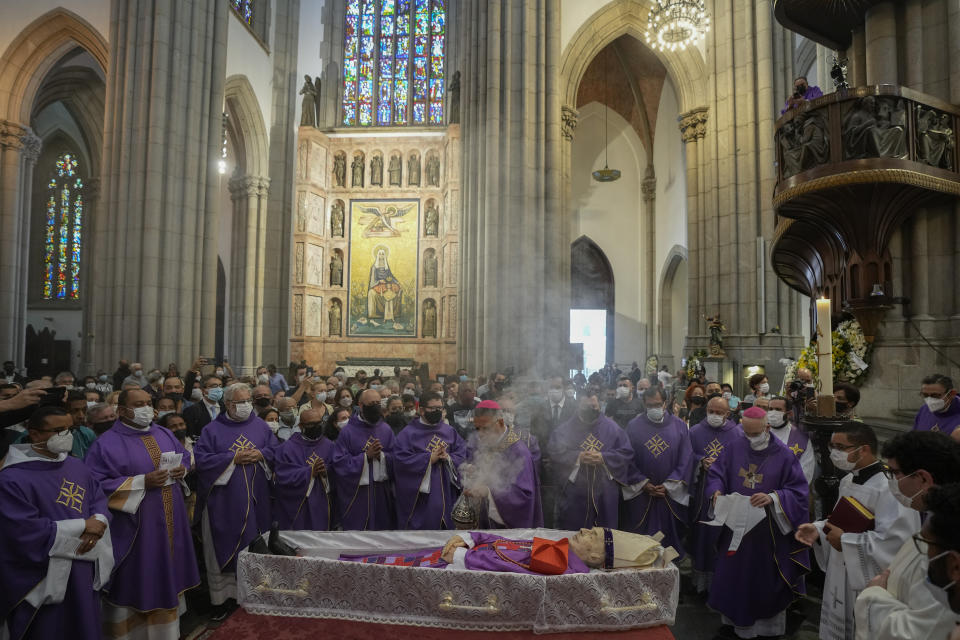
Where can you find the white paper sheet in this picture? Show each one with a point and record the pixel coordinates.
(170, 460)
(735, 511)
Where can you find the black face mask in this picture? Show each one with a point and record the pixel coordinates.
(181, 434)
(312, 430)
(371, 413)
(262, 402)
(433, 416)
(842, 407)
(100, 428)
(588, 415)
(176, 397)
(698, 401)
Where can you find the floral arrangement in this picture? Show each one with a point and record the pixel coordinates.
(851, 353)
(695, 363)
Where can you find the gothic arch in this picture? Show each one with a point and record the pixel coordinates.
(247, 125)
(804, 58)
(592, 283)
(668, 284)
(685, 68)
(35, 51)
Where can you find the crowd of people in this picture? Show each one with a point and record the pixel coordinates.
(121, 494)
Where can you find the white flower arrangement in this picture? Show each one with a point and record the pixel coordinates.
(851, 355)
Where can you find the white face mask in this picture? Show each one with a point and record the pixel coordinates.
(570, 393)
(322, 396)
(274, 425)
(622, 393)
(940, 594)
(243, 410)
(715, 419)
(775, 418)
(839, 459)
(196, 395)
(346, 401)
(764, 387)
(905, 500)
(60, 442)
(160, 414)
(726, 395)
(91, 385)
(263, 378)
(760, 442)
(935, 404)
(655, 414)
(90, 403)
(143, 416)
(342, 424)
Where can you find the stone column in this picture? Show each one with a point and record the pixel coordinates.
(648, 189)
(91, 197)
(693, 128)
(249, 197)
(514, 302)
(156, 273)
(880, 33)
(19, 150)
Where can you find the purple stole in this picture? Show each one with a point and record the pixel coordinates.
(301, 501)
(411, 458)
(366, 506)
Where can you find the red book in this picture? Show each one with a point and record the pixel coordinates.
(851, 516)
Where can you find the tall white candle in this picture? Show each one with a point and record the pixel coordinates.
(824, 347)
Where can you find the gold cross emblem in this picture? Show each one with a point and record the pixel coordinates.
(241, 443)
(71, 495)
(592, 443)
(713, 449)
(935, 427)
(750, 477)
(657, 445)
(368, 444)
(313, 459)
(436, 442)
(796, 448)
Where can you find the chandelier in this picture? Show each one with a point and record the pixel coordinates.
(676, 24)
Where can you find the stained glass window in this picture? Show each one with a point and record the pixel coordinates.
(63, 231)
(393, 62)
(244, 9)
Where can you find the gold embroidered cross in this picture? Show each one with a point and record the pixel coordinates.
(592, 443)
(368, 444)
(713, 449)
(312, 460)
(750, 477)
(241, 443)
(436, 443)
(71, 495)
(935, 427)
(657, 445)
(797, 450)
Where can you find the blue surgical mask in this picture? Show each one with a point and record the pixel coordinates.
(464, 378)
(215, 394)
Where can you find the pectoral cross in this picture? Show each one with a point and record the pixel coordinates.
(750, 477)
(592, 443)
(796, 449)
(312, 460)
(436, 442)
(368, 444)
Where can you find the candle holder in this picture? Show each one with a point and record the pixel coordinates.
(827, 484)
(826, 406)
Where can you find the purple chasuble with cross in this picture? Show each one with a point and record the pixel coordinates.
(364, 488)
(707, 442)
(515, 491)
(662, 456)
(766, 573)
(152, 542)
(238, 507)
(35, 495)
(301, 501)
(945, 421)
(589, 496)
(430, 509)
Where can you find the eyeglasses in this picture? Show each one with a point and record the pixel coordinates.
(844, 447)
(54, 430)
(923, 545)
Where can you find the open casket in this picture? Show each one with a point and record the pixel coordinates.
(317, 584)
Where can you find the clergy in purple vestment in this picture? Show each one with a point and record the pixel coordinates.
(55, 547)
(362, 456)
(779, 416)
(802, 92)
(427, 454)
(657, 499)
(941, 408)
(303, 486)
(592, 460)
(708, 439)
(234, 457)
(141, 467)
(501, 473)
(753, 585)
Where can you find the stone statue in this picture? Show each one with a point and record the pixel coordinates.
(936, 137)
(301, 212)
(376, 171)
(431, 223)
(395, 170)
(716, 336)
(804, 142)
(429, 319)
(430, 268)
(298, 264)
(336, 270)
(357, 166)
(336, 220)
(433, 171)
(453, 100)
(334, 318)
(413, 169)
(873, 129)
(340, 170)
(308, 106)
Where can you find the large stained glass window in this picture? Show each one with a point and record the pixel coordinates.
(63, 231)
(393, 62)
(244, 9)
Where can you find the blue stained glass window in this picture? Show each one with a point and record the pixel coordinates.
(393, 62)
(63, 231)
(244, 9)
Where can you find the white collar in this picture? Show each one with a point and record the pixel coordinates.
(25, 453)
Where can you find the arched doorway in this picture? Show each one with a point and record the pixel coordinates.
(673, 307)
(591, 303)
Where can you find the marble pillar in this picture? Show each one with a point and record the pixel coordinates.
(880, 33)
(91, 202)
(155, 274)
(693, 128)
(515, 257)
(245, 319)
(19, 150)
